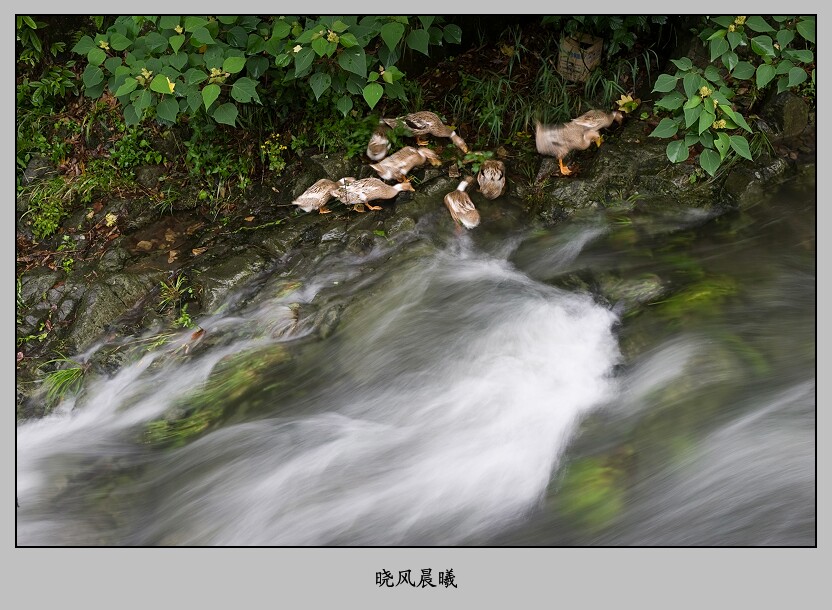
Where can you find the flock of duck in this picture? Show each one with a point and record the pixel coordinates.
(553, 140)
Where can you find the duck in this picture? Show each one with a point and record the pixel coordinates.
(379, 144)
(402, 161)
(461, 207)
(317, 195)
(578, 134)
(424, 123)
(359, 193)
(492, 178)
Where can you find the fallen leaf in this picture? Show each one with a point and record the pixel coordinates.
(249, 218)
(197, 334)
(198, 251)
(172, 256)
(144, 245)
(170, 235)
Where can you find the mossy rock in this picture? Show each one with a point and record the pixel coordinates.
(592, 494)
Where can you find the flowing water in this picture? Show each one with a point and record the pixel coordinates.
(634, 376)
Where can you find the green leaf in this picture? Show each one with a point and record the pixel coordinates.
(348, 40)
(797, 76)
(257, 66)
(691, 139)
(672, 101)
(452, 33)
(691, 83)
(155, 42)
(303, 60)
(683, 63)
(743, 71)
(707, 139)
(159, 84)
(765, 73)
(96, 56)
(692, 114)
(730, 60)
(740, 145)
(718, 47)
(372, 94)
(720, 98)
(144, 100)
(706, 119)
(734, 39)
(709, 161)
(167, 109)
(391, 34)
(319, 45)
(665, 129)
(339, 26)
(665, 83)
(194, 76)
(784, 37)
(782, 84)
(92, 76)
(227, 19)
(128, 86)
(784, 66)
(425, 21)
(802, 55)
(176, 42)
(693, 102)
(112, 64)
(194, 100)
(308, 36)
(237, 37)
(354, 60)
(723, 144)
(233, 64)
(202, 36)
(723, 20)
(763, 46)
(255, 45)
(806, 28)
(758, 24)
(677, 151)
(95, 91)
(226, 114)
(244, 90)
(194, 23)
(344, 104)
(713, 75)
(83, 46)
(282, 60)
(736, 117)
(717, 34)
(418, 40)
(131, 115)
(319, 82)
(119, 42)
(209, 94)
(168, 22)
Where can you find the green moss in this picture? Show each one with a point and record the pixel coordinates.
(592, 495)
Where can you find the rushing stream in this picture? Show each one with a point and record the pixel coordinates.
(634, 376)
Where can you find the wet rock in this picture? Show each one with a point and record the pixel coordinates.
(217, 280)
(149, 175)
(746, 184)
(786, 115)
(35, 284)
(334, 234)
(335, 166)
(115, 257)
(399, 224)
(39, 168)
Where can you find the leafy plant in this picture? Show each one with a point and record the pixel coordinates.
(704, 111)
(63, 381)
(134, 149)
(619, 32)
(174, 292)
(272, 149)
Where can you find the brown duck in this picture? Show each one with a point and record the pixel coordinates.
(578, 134)
(396, 166)
(360, 192)
(425, 123)
(317, 195)
(461, 207)
(492, 178)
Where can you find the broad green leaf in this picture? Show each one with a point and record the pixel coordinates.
(303, 60)
(706, 119)
(740, 145)
(131, 115)
(257, 66)
(717, 34)
(237, 37)
(395, 91)
(339, 26)
(92, 76)
(713, 75)
(344, 104)
(144, 100)
(736, 117)
(672, 101)
(744, 70)
(691, 139)
(95, 91)
(179, 60)
(765, 73)
(797, 76)
(194, 100)
(665, 129)
(226, 114)
(806, 28)
(758, 24)
(763, 46)
(452, 33)
(723, 20)
(692, 115)
(373, 76)
(693, 102)
(683, 63)
(319, 45)
(718, 47)
(319, 82)
(96, 56)
(803, 55)
(677, 151)
(161, 84)
(112, 64)
(730, 60)
(425, 21)
(119, 42)
(282, 60)
(782, 18)
(734, 39)
(784, 66)
(665, 83)
(308, 36)
(722, 144)
(391, 34)
(782, 84)
(194, 76)
(244, 90)
(194, 23)
(784, 37)
(210, 93)
(83, 46)
(418, 40)
(167, 109)
(129, 85)
(372, 94)
(176, 42)
(155, 42)
(709, 161)
(348, 40)
(354, 60)
(202, 35)
(691, 83)
(720, 98)
(168, 22)
(227, 19)
(255, 45)
(233, 64)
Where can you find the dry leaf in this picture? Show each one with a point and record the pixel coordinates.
(198, 251)
(172, 256)
(144, 245)
(170, 235)
(249, 218)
